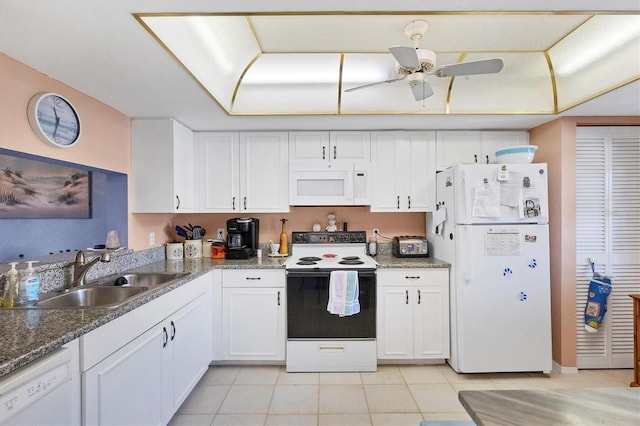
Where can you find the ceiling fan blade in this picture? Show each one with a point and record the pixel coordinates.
(375, 84)
(421, 89)
(487, 66)
(406, 57)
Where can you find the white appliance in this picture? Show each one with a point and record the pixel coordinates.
(341, 185)
(491, 225)
(43, 392)
(318, 341)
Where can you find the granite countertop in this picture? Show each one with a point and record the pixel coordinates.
(388, 261)
(595, 406)
(31, 333)
(28, 334)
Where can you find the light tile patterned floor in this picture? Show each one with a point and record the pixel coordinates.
(394, 395)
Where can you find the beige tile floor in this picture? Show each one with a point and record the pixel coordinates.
(394, 395)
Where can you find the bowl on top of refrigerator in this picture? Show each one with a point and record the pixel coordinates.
(516, 154)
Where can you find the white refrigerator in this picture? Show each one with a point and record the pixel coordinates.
(491, 225)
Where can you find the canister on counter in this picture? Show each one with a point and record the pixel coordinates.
(218, 250)
(174, 251)
(192, 249)
(206, 248)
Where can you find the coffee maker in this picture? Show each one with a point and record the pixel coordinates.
(242, 237)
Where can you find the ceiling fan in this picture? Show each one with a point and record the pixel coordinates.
(413, 63)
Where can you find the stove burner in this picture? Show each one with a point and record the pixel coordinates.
(310, 259)
(306, 262)
(351, 261)
(351, 258)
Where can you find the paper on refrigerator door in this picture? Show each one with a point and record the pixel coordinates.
(486, 200)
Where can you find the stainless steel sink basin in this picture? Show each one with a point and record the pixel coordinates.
(90, 297)
(140, 279)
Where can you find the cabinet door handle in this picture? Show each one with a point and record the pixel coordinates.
(233, 203)
(173, 330)
(177, 202)
(335, 152)
(245, 202)
(278, 297)
(409, 201)
(412, 277)
(475, 158)
(165, 337)
(487, 159)
(253, 278)
(419, 296)
(406, 300)
(323, 153)
(398, 202)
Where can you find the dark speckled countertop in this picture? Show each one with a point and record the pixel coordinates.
(28, 334)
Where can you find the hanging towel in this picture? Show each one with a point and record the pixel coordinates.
(343, 293)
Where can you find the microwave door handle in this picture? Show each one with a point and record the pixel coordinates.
(348, 192)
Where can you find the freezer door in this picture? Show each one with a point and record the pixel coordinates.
(496, 193)
(502, 310)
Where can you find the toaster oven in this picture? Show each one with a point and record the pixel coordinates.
(409, 246)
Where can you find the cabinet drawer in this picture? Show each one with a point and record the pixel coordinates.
(253, 278)
(404, 277)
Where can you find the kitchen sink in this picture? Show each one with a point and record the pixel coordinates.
(140, 279)
(90, 297)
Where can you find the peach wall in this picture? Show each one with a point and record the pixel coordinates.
(104, 141)
(299, 219)
(557, 147)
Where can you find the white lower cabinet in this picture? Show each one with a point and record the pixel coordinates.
(126, 388)
(140, 367)
(253, 315)
(413, 314)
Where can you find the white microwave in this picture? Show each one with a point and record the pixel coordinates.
(330, 187)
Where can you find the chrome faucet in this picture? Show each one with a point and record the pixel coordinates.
(81, 267)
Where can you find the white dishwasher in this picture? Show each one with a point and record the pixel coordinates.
(43, 392)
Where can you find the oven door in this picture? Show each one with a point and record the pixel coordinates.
(307, 315)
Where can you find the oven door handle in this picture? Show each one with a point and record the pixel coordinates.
(327, 274)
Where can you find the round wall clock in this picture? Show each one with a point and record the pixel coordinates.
(53, 119)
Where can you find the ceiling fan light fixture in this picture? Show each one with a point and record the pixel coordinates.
(427, 59)
(415, 30)
(415, 78)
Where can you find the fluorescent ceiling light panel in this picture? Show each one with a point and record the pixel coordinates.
(594, 41)
(294, 69)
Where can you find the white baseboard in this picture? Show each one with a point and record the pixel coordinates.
(564, 370)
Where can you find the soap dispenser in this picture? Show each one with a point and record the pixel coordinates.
(30, 287)
(10, 297)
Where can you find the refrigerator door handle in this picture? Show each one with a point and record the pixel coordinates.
(466, 268)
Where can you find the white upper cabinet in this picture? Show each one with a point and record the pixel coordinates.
(264, 172)
(455, 147)
(403, 171)
(474, 146)
(323, 149)
(218, 178)
(162, 166)
(243, 172)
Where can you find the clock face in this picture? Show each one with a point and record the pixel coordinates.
(54, 119)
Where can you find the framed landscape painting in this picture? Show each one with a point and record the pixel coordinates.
(31, 189)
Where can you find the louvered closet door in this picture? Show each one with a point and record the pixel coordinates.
(608, 232)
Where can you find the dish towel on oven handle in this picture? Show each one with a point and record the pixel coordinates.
(343, 293)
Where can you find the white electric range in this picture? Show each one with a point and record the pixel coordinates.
(318, 341)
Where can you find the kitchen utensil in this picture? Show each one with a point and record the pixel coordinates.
(197, 232)
(181, 232)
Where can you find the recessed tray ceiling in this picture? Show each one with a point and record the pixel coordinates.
(283, 64)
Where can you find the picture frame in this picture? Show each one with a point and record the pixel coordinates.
(35, 189)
